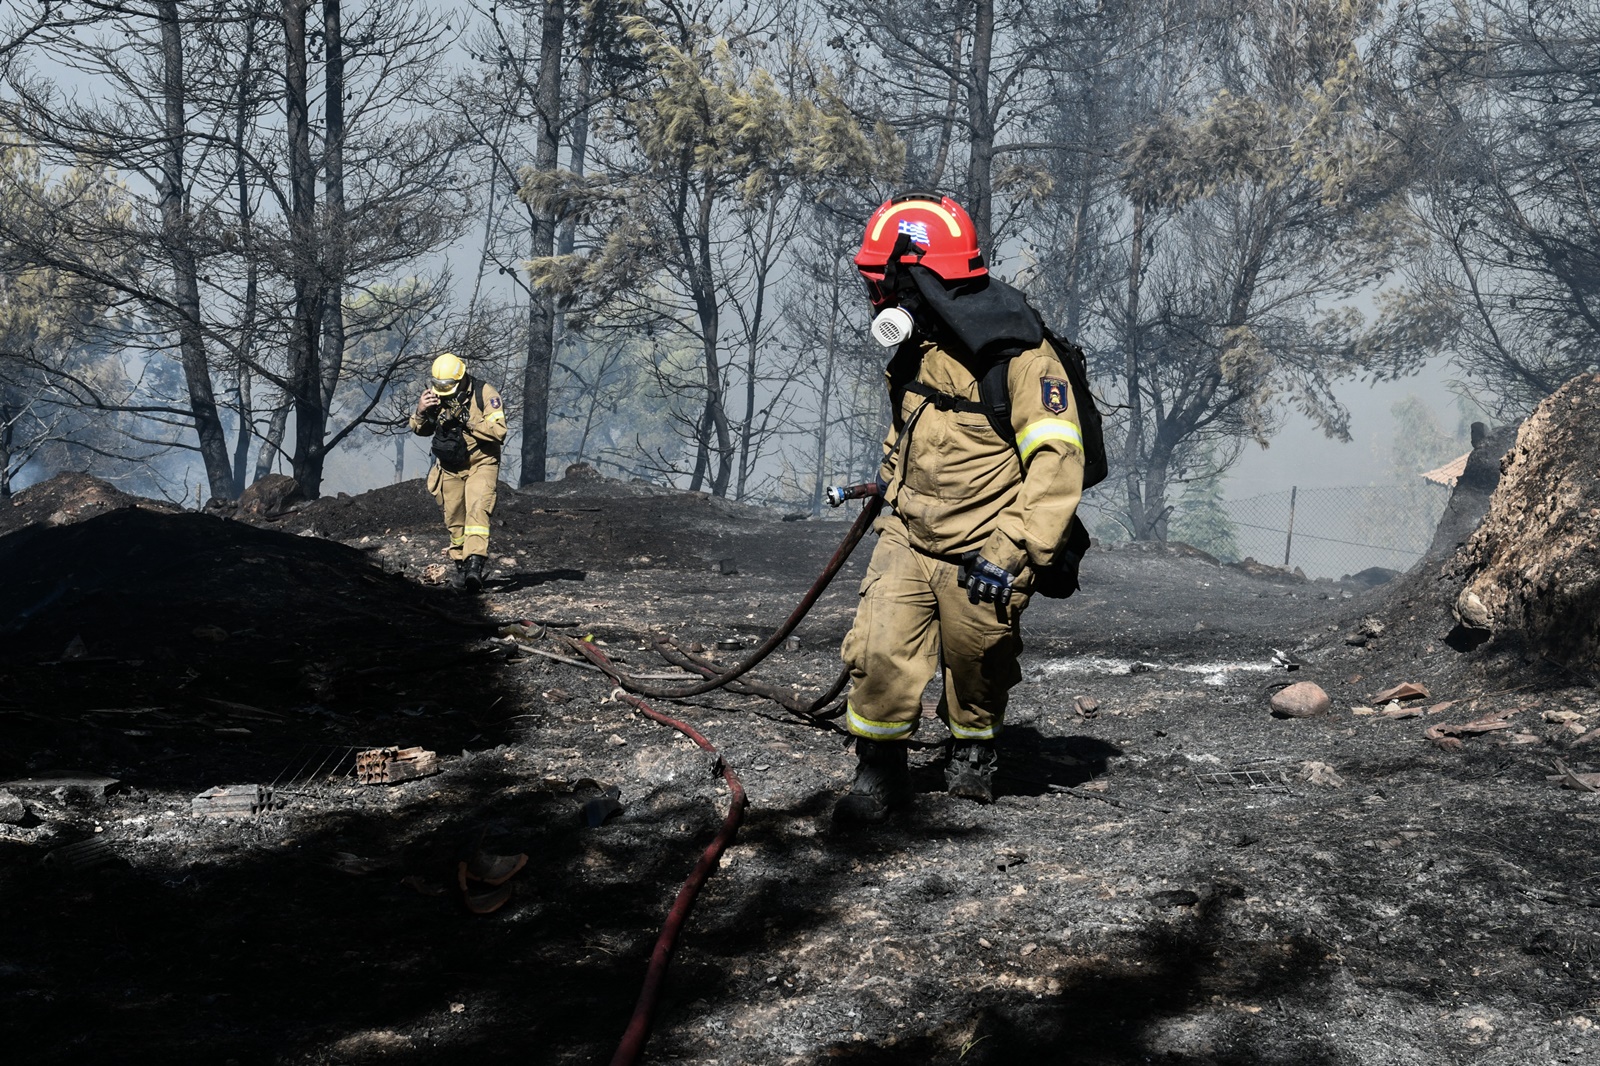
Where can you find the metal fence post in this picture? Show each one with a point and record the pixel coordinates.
(1288, 541)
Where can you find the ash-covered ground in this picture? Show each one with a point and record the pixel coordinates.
(1176, 876)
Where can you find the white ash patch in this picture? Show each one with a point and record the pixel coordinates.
(1213, 673)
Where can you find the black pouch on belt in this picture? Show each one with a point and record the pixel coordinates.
(450, 446)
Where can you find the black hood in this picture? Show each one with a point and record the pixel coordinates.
(984, 314)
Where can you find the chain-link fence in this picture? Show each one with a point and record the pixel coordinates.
(1334, 532)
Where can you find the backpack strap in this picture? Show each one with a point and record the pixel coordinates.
(995, 390)
(994, 401)
(943, 401)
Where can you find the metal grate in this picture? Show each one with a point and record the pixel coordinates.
(1271, 781)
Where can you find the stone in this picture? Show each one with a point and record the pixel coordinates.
(1471, 611)
(67, 785)
(1531, 567)
(1406, 690)
(1303, 699)
(271, 497)
(1371, 577)
(12, 809)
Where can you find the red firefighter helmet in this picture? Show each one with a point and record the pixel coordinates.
(940, 232)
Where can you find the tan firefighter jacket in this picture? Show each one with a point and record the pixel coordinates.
(959, 487)
(485, 422)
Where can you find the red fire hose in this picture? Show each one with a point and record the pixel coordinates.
(858, 530)
(631, 1046)
(638, 1031)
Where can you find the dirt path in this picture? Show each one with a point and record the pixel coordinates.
(1214, 885)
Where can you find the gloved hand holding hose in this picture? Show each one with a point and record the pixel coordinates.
(985, 581)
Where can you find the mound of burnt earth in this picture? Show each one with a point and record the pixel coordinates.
(588, 523)
(155, 626)
(1533, 566)
(403, 507)
(71, 497)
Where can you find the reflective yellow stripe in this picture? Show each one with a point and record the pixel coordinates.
(961, 733)
(1045, 429)
(866, 727)
(455, 542)
(496, 416)
(477, 531)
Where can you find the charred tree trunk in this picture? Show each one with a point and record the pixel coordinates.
(980, 159)
(1133, 443)
(830, 351)
(333, 240)
(176, 235)
(7, 422)
(753, 352)
(272, 439)
(305, 377)
(241, 444)
(952, 102)
(705, 298)
(247, 322)
(541, 304)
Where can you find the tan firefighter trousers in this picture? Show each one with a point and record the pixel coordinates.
(467, 498)
(913, 609)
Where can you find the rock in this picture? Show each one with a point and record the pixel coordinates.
(1469, 499)
(1303, 699)
(67, 785)
(12, 809)
(1470, 610)
(582, 472)
(271, 497)
(1275, 573)
(1532, 566)
(1406, 690)
(1372, 577)
(1320, 773)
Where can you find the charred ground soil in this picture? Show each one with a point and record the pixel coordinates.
(1173, 876)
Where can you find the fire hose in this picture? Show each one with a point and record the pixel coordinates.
(858, 530)
(631, 1047)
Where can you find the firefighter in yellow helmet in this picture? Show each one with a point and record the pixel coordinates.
(467, 420)
(981, 501)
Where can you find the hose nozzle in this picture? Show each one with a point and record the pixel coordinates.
(837, 494)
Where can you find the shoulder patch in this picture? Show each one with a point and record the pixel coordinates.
(1054, 394)
(494, 401)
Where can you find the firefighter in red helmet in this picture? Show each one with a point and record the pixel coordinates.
(976, 502)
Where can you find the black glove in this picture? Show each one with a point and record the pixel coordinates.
(984, 581)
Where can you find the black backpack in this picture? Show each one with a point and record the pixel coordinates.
(1060, 579)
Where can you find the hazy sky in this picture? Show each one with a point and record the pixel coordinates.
(1301, 456)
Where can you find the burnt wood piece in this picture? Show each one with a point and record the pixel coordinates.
(223, 801)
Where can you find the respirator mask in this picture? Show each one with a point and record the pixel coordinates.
(893, 326)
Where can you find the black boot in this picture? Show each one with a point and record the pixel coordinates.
(882, 782)
(458, 576)
(970, 772)
(473, 579)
